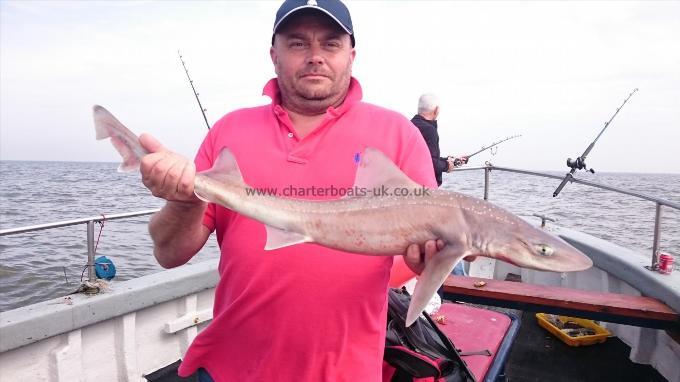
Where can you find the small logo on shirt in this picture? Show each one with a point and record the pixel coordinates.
(357, 158)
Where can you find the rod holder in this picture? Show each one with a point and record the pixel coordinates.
(543, 219)
(657, 237)
(90, 251)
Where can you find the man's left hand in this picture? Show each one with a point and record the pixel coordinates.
(415, 258)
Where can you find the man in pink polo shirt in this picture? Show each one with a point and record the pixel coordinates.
(303, 312)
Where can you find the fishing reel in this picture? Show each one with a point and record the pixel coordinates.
(457, 162)
(578, 164)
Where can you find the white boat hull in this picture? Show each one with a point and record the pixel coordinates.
(132, 330)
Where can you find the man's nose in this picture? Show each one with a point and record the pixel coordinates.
(315, 55)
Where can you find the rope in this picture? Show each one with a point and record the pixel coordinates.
(83, 273)
(101, 228)
(66, 277)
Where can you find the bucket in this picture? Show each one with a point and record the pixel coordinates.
(666, 263)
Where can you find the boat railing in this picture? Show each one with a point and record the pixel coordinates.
(658, 201)
(89, 222)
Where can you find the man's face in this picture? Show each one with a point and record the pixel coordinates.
(312, 58)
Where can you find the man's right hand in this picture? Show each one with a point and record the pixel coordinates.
(166, 174)
(176, 230)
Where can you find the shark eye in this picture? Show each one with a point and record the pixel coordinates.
(544, 249)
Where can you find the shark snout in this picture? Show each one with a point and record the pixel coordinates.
(539, 250)
(575, 261)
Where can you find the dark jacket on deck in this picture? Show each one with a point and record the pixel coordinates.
(429, 131)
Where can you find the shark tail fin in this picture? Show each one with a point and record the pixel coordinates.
(437, 269)
(125, 142)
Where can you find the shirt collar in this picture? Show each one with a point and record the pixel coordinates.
(354, 94)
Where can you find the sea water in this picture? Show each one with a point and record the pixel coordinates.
(40, 265)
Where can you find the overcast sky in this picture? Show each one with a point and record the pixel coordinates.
(554, 72)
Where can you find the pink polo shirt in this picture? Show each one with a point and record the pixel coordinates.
(304, 312)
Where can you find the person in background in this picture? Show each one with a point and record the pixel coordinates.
(426, 122)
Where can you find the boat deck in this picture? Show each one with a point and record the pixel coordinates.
(539, 356)
(536, 355)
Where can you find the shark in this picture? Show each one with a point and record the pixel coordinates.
(374, 223)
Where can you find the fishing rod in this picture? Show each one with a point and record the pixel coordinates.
(194, 90)
(457, 162)
(580, 162)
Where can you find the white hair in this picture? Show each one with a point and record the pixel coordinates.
(427, 103)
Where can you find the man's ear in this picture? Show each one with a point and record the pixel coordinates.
(275, 59)
(352, 55)
(436, 112)
(272, 54)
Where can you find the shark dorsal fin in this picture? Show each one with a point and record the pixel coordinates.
(225, 166)
(224, 170)
(376, 170)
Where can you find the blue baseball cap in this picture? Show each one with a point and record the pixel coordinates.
(334, 9)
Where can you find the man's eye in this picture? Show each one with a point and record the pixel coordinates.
(297, 44)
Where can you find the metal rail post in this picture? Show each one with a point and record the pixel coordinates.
(657, 237)
(90, 251)
(487, 170)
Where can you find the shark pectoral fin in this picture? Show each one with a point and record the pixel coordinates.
(376, 170)
(278, 238)
(437, 269)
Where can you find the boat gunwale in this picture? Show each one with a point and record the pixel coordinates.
(626, 265)
(32, 323)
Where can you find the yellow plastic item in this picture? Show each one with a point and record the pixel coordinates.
(600, 335)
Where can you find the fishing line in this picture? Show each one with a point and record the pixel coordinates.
(493, 147)
(494, 144)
